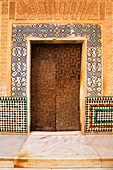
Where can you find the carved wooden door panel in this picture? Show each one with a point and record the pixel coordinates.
(55, 87)
(42, 88)
(68, 60)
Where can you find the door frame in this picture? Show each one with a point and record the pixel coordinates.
(69, 40)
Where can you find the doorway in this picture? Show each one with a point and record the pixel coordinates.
(55, 87)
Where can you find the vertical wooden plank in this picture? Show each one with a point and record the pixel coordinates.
(43, 87)
(68, 64)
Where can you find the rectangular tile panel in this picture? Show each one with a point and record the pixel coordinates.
(13, 114)
(99, 114)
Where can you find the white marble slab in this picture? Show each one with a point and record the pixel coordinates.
(103, 144)
(10, 145)
(86, 169)
(6, 163)
(58, 147)
(57, 151)
(56, 169)
(56, 133)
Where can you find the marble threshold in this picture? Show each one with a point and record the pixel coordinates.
(56, 151)
(57, 133)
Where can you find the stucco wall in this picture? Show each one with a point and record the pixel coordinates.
(52, 12)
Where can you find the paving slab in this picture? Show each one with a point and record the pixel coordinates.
(57, 152)
(11, 144)
(9, 148)
(56, 169)
(103, 145)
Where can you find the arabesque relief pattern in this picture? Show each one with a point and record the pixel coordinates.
(42, 87)
(67, 84)
(55, 86)
(57, 10)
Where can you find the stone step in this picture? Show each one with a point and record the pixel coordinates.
(56, 163)
(77, 151)
(56, 169)
(57, 152)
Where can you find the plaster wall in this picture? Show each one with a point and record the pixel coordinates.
(54, 12)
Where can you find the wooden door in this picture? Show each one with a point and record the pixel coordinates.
(55, 87)
(42, 88)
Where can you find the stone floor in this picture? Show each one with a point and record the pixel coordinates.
(56, 169)
(72, 151)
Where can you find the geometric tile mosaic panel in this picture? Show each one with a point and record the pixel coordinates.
(99, 114)
(13, 114)
(93, 34)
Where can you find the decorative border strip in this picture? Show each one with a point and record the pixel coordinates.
(93, 34)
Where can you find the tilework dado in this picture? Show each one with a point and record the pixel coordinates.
(93, 34)
(13, 114)
(99, 114)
